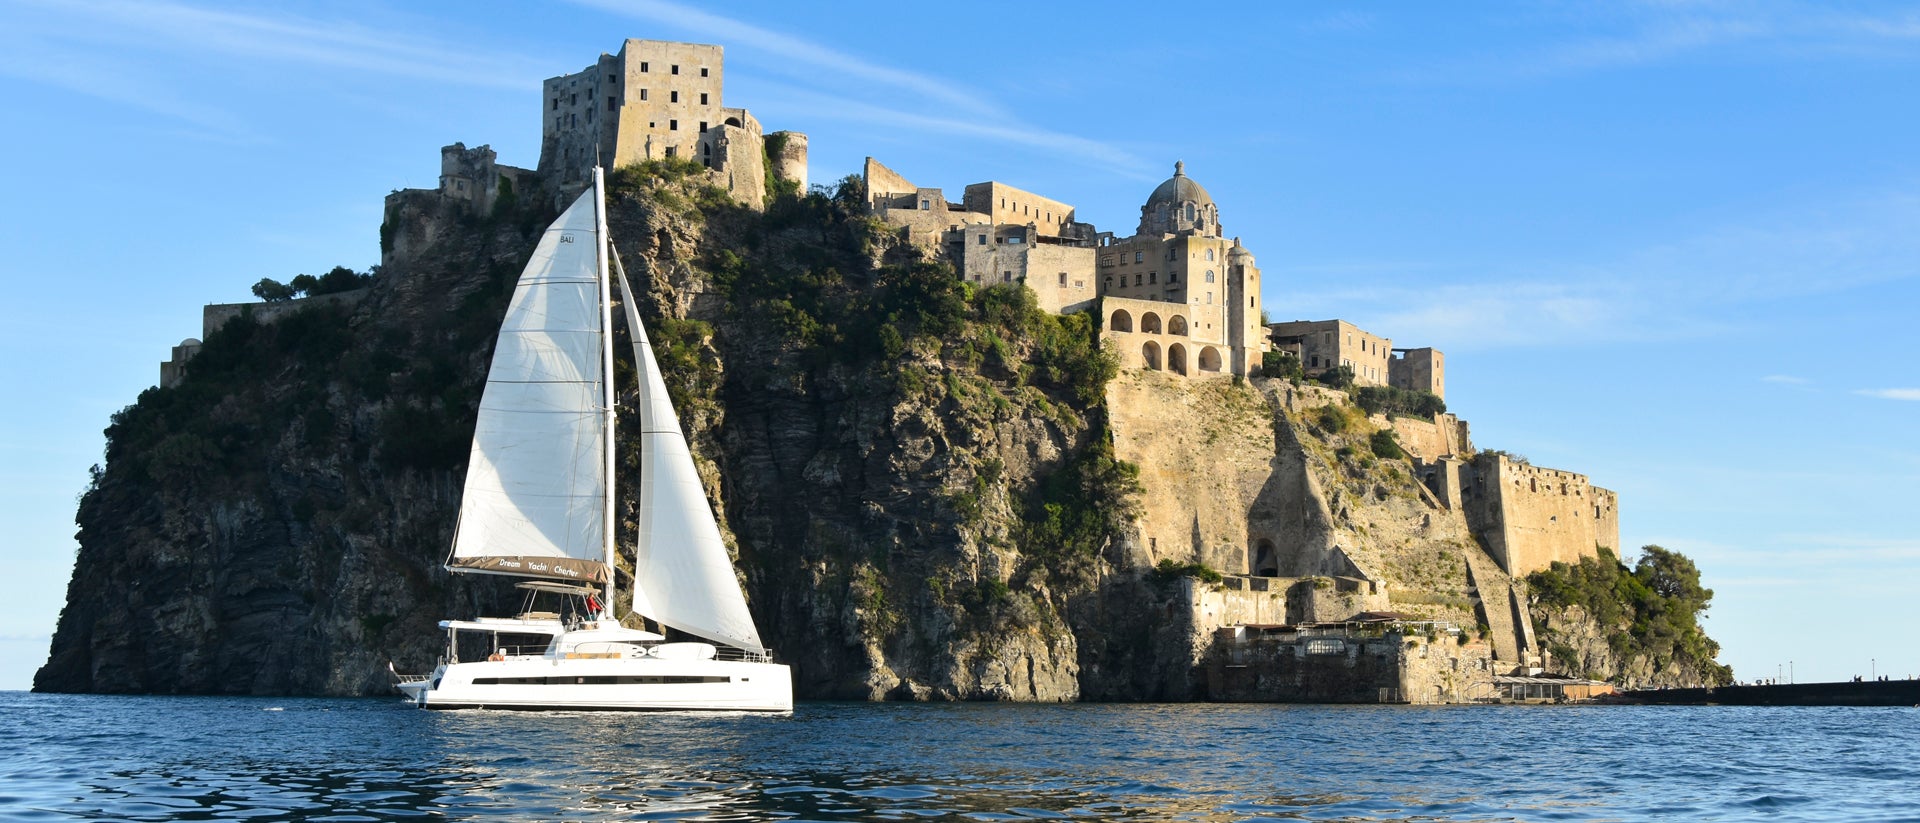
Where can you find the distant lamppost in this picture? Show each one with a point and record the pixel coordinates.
(1873, 669)
(1789, 671)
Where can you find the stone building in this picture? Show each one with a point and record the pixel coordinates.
(1418, 370)
(473, 178)
(658, 99)
(996, 234)
(1176, 296)
(1329, 344)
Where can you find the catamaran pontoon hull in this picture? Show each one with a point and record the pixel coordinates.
(634, 684)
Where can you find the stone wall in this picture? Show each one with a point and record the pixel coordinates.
(1251, 600)
(1530, 517)
(1429, 440)
(740, 158)
(216, 315)
(1347, 665)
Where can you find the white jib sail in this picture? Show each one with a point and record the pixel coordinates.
(535, 496)
(682, 573)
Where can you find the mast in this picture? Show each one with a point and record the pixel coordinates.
(606, 370)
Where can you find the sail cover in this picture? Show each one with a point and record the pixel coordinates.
(682, 575)
(535, 498)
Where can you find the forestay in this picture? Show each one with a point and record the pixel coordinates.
(535, 498)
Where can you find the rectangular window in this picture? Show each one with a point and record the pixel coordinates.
(673, 97)
(556, 104)
(1016, 238)
(1006, 277)
(676, 69)
(673, 125)
(703, 98)
(1173, 277)
(610, 78)
(926, 205)
(1139, 257)
(643, 94)
(703, 127)
(610, 104)
(983, 240)
(1153, 277)
(670, 151)
(643, 66)
(573, 99)
(1137, 279)
(703, 73)
(1063, 278)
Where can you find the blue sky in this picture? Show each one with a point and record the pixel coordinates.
(1672, 245)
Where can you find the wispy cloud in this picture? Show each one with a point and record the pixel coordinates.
(1690, 287)
(1641, 34)
(1892, 394)
(907, 99)
(134, 54)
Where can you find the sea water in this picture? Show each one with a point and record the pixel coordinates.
(187, 758)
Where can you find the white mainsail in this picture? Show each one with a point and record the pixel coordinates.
(535, 503)
(682, 575)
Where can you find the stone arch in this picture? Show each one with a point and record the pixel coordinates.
(1209, 358)
(1150, 323)
(1177, 325)
(1177, 359)
(1151, 354)
(1122, 321)
(1266, 561)
(735, 122)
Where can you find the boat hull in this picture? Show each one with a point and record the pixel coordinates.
(622, 684)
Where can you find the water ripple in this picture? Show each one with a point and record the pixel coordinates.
(123, 758)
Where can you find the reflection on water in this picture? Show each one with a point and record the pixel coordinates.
(98, 758)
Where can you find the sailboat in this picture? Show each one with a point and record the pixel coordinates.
(539, 505)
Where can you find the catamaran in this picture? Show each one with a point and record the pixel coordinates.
(539, 504)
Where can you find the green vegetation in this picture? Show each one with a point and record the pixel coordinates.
(1385, 446)
(1395, 401)
(1282, 365)
(1650, 610)
(338, 280)
(1169, 570)
(1339, 377)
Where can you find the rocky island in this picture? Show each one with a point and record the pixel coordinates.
(962, 451)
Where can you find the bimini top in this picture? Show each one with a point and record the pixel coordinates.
(1180, 189)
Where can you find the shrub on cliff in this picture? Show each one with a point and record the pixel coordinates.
(1282, 365)
(1650, 610)
(1384, 446)
(1391, 400)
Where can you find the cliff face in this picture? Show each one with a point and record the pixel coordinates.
(272, 524)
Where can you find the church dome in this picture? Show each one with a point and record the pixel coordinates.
(1180, 189)
(1180, 206)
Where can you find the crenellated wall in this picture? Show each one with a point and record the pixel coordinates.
(1530, 517)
